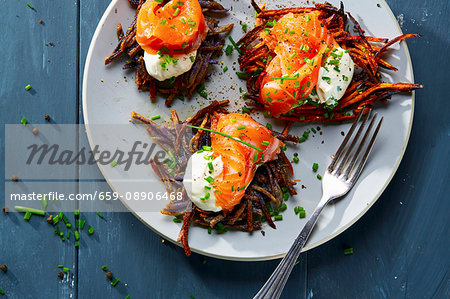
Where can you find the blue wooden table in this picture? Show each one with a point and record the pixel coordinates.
(401, 246)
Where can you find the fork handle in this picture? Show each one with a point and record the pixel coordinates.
(274, 285)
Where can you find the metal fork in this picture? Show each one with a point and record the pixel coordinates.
(339, 178)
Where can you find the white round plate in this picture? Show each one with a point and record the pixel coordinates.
(108, 98)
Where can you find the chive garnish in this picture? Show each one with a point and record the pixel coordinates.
(82, 222)
(105, 268)
(115, 282)
(229, 50)
(255, 157)
(30, 210)
(278, 217)
(163, 21)
(302, 213)
(228, 136)
(242, 75)
(348, 251)
(210, 166)
(177, 220)
(27, 216)
(225, 69)
(209, 179)
(265, 142)
(24, 121)
(208, 187)
(296, 159)
(176, 12)
(90, 230)
(77, 235)
(319, 176)
(155, 117)
(207, 195)
(100, 215)
(315, 167)
(30, 6)
(241, 127)
(235, 45)
(113, 164)
(28, 87)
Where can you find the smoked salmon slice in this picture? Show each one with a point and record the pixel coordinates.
(240, 161)
(299, 41)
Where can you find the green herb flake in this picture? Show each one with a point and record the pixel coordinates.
(113, 164)
(348, 251)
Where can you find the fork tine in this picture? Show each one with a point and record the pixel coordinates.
(366, 154)
(344, 142)
(361, 144)
(352, 145)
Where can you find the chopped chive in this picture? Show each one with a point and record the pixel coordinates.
(209, 230)
(210, 166)
(296, 159)
(242, 188)
(229, 50)
(100, 215)
(163, 21)
(293, 55)
(315, 167)
(68, 225)
(90, 230)
(27, 216)
(228, 136)
(232, 188)
(77, 235)
(31, 210)
(319, 176)
(2, 292)
(176, 220)
(24, 121)
(334, 61)
(65, 270)
(245, 109)
(176, 12)
(30, 6)
(255, 157)
(241, 127)
(269, 126)
(155, 117)
(302, 214)
(283, 207)
(55, 220)
(235, 45)
(82, 222)
(278, 217)
(244, 27)
(105, 268)
(225, 68)
(265, 142)
(291, 32)
(207, 195)
(115, 282)
(348, 251)
(172, 26)
(60, 266)
(242, 75)
(209, 179)
(207, 148)
(76, 243)
(199, 151)
(68, 234)
(113, 164)
(208, 187)
(28, 87)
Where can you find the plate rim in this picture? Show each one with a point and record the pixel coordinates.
(250, 259)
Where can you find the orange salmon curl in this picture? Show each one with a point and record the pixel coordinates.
(174, 27)
(240, 161)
